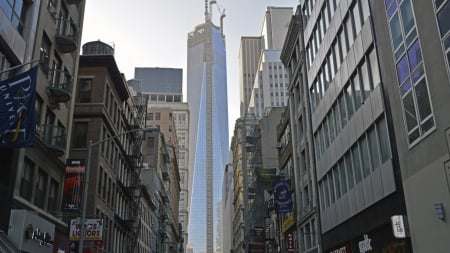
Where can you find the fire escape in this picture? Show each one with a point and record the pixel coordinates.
(164, 216)
(131, 188)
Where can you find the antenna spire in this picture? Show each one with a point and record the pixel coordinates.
(206, 10)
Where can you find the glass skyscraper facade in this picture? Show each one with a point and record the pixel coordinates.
(207, 98)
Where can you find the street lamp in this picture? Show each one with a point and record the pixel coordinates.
(86, 181)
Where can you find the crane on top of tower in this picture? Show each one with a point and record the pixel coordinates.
(220, 10)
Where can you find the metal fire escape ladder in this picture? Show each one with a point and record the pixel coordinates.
(136, 165)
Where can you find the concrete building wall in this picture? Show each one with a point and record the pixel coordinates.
(249, 54)
(423, 161)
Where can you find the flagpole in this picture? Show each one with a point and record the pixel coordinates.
(19, 66)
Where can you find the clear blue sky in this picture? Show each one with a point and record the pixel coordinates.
(153, 33)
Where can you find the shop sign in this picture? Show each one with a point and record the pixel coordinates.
(30, 232)
(73, 185)
(398, 226)
(290, 242)
(288, 223)
(283, 199)
(343, 249)
(93, 229)
(365, 245)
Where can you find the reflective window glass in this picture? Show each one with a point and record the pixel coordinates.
(402, 69)
(444, 19)
(410, 112)
(396, 32)
(423, 99)
(414, 55)
(407, 16)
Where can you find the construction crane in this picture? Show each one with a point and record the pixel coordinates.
(221, 12)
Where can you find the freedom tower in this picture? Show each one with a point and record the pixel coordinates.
(207, 98)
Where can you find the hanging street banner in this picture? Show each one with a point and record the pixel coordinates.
(73, 185)
(283, 200)
(17, 124)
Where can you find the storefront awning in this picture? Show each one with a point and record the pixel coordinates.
(6, 245)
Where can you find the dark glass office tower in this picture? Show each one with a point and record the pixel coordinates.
(207, 98)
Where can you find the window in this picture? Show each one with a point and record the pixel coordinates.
(40, 190)
(343, 177)
(337, 182)
(80, 135)
(407, 17)
(417, 109)
(383, 138)
(38, 113)
(343, 111)
(45, 52)
(374, 151)
(158, 116)
(26, 182)
(356, 163)
(100, 181)
(349, 166)
(365, 81)
(150, 116)
(356, 88)
(85, 89)
(365, 156)
(151, 142)
(349, 100)
(356, 16)
(365, 9)
(15, 12)
(55, 71)
(443, 16)
(374, 70)
(52, 204)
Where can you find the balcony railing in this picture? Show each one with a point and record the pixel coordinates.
(59, 85)
(54, 138)
(67, 35)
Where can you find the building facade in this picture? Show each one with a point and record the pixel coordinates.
(413, 45)
(162, 232)
(170, 172)
(162, 88)
(357, 171)
(45, 35)
(306, 230)
(228, 209)
(270, 80)
(105, 108)
(207, 98)
(249, 54)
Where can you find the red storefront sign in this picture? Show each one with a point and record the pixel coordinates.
(290, 242)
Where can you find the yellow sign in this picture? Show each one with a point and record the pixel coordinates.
(288, 223)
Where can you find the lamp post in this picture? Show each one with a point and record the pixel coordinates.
(86, 181)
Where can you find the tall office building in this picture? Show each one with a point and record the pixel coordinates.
(263, 79)
(207, 98)
(249, 53)
(162, 88)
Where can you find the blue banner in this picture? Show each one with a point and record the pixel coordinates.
(17, 124)
(283, 200)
